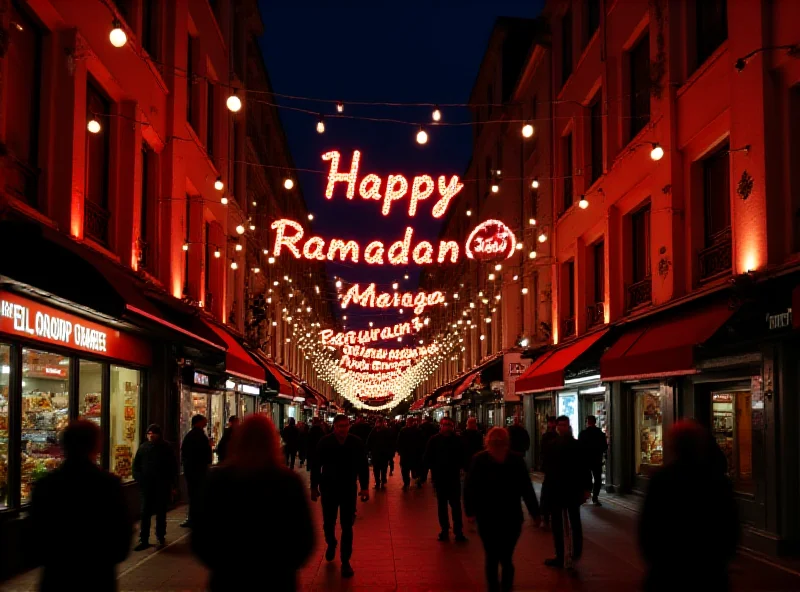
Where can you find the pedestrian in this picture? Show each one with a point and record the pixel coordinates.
(393, 429)
(409, 447)
(594, 445)
(361, 429)
(340, 465)
(473, 441)
(96, 524)
(568, 485)
(315, 433)
(196, 458)
(519, 438)
(380, 446)
(154, 469)
(225, 440)
(496, 481)
(689, 522)
(284, 538)
(290, 435)
(302, 442)
(427, 430)
(548, 438)
(444, 456)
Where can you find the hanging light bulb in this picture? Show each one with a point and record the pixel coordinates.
(338, 283)
(532, 254)
(406, 276)
(542, 237)
(657, 153)
(311, 216)
(498, 267)
(217, 254)
(185, 246)
(218, 184)
(240, 229)
(532, 221)
(321, 125)
(436, 115)
(234, 103)
(340, 107)
(93, 126)
(234, 265)
(288, 183)
(117, 36)
(519, 246)
(583, 203)
(535, 183)
(252, 227)
(491, 277)
(527, 130)
(271, 260)
(468, 212)
(495, 187)
(255, 204)
(256, 270)
(524, 290)
(371, 323)
(422, 136)
(239, 247)
(224, 201)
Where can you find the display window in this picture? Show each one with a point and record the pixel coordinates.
(542, 409)
(247, 405)
(125, 419)
(216, 421)
(568, 405)
(45, 414)
(90, 391)
(5, 372)
(732, 418)
(230, 406)
(650, 411)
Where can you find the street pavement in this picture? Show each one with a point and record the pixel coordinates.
(396, 549)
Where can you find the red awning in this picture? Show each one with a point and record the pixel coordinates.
(465, 384)
(417, 405)
(663, 348)
(237, 361)
(547, 373)
(284, 387)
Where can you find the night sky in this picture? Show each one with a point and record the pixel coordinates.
(377, 51)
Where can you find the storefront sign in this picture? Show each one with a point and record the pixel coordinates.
(780, 321)
(249, 389)
(201, 379)
(33, 320)
(513, 367)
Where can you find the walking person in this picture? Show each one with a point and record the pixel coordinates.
(496, 481)
(568, 485)
(302, 442)
(196, 458)
(689, 522)
(154, 469)
(225, 440)
(380, 446)
(393, 429)
(473, 441)
(95, 524)
(340, 465)
(445, 458)
(255, 470)
(409, 447)
(519, 438)
(290, 436)
(427, 431)
(548, 438)
(315, 433)
(594, 445)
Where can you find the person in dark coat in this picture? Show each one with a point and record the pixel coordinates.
(689, 522)
(196, 458)
(427, 431)
(496, 481)
(154, 469)
(302, 442)
(568, 484)
(284, 537)
(340, 465)
(394, 432)
(291, 438)
(519, 437)
(473, 441)
(594, 445)
(361, 429)
(80, 524)
(315, 433)
(548, 438)
(225, 440)
(410, 449)
(380, 445)
(444, 456)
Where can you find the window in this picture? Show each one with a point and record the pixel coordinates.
(570, 286)
(125, 420)
(566, 147)
(150, 27)
(717, 194)
(794, 161)
(599, 264)
(566, 47)
(90, 393)
(640, 85)
(210, 106)
(45, 414)
(640, 242)
(5, 373)
(592, 18)
(97, 164)
(148, 209)
(596, 132)
(732, 417)
(191, 56)
(207, 265)
(22, 105)
(650, 410)
(712, 27)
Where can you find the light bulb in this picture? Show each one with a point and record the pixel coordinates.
(321, 125)
(437, 115)
(371, 323)
(524, 290)
(532, 255)
(217, 254)
(491, 277)
(311, 216)
(532, 221)
(93, 126)
(468, 212)
(483, 337)
(288, 183)
(255, 204)
(234, 265)
(340, 107)
(271, 260)
(527, 130)
(405, 276)
(535, 183)
(252, 227)
(239, 247)
(498, 172)
(338, 283)
(117, 36)
(583, 203)
(394, 285)
(401, 311)
(218, 184)
(240, 229)
(234, 103)
(224, 201)
(495, 187)
(422, 136)
(498, 267)
(256, 270)
(542, 238)
(519, 246)
(657, 153)
(185, 246)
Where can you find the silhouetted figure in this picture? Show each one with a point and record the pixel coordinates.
(380, 445)
(498, 478)
(315, 433)
(302, 442)
(361, 429)
(473, 441)
(154, 469)
(427, 431)
(340, 464)
(291, 438)
(689, 527)
(594, 445)
(568, 484)
(409, 446)
(196, 458)
(395, 430)
(78, 512)
(548, 438)
(225, 440)
(519, 438)
(284, 537)
(445, 458)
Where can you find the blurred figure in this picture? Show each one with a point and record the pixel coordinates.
(394, 430)
(315, 433)
(689, 522)
(409, 446)
(380, 445)
(290, 435)
(427, 430)
(302, 442)
(496, 481)
(445, 458)
(568, 484)
(361, 429)
(340, 464)
(196, 457)
(548, 438)
(284, 538)
(519, 438)
(154, 469)
(473, 441)
(78, 511)
(224, 442)
(594, 445)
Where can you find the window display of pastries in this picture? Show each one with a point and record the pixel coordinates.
(123, 461)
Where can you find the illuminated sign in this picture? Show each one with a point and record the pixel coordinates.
(201, 379)
(373, 365)
(39, 322)
(491, 240)
(330, 337)
(369, 299)
(381, 353)
(249, 390)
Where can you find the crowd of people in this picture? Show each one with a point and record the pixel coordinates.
(485, 470)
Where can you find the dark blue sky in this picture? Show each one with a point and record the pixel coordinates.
(398, 51)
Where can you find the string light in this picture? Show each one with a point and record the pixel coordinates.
(240, 229)
(239, 247)
(515, 278)
(311, 216)
(93, 126)
(535, 183)
(491, 277)
(583, 203)
(218, 184)
(234, 265)
(217, 254)
(527, 130)
(542, 237)
(117, 36)
(338, 283)
(532, 221)
(394, 285)
(436, 115)
(495, 187)
(288, 183)
(224, 201)
(185, 246)
(321, 125)
(271, 260)
(256, 270)
(519, 246)
(468, 212)
(234, 103)
(657, 153)
(532, 255)
(340, 107)
(498, 267)
(524, 290)
(422, 136)
(252, 227)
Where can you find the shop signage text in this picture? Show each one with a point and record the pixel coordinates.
(781, 320)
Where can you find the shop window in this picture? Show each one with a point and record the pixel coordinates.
(650, 411)
(566, 155)
(216, 422)
(732, 417)
(45, 414)
(90, 393)
(639, 63)
(5, 374)
(96, 214)
(125, 420)
(191, 55)
(566, 47)
(596, 133)
(151, 12)
(712, 27)
(592, 18)
(568, 405)
(230, 406)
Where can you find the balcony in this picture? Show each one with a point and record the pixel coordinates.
(596, 314)
(716, 259)
(567, 328)
(640, 293)
(95, 222)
